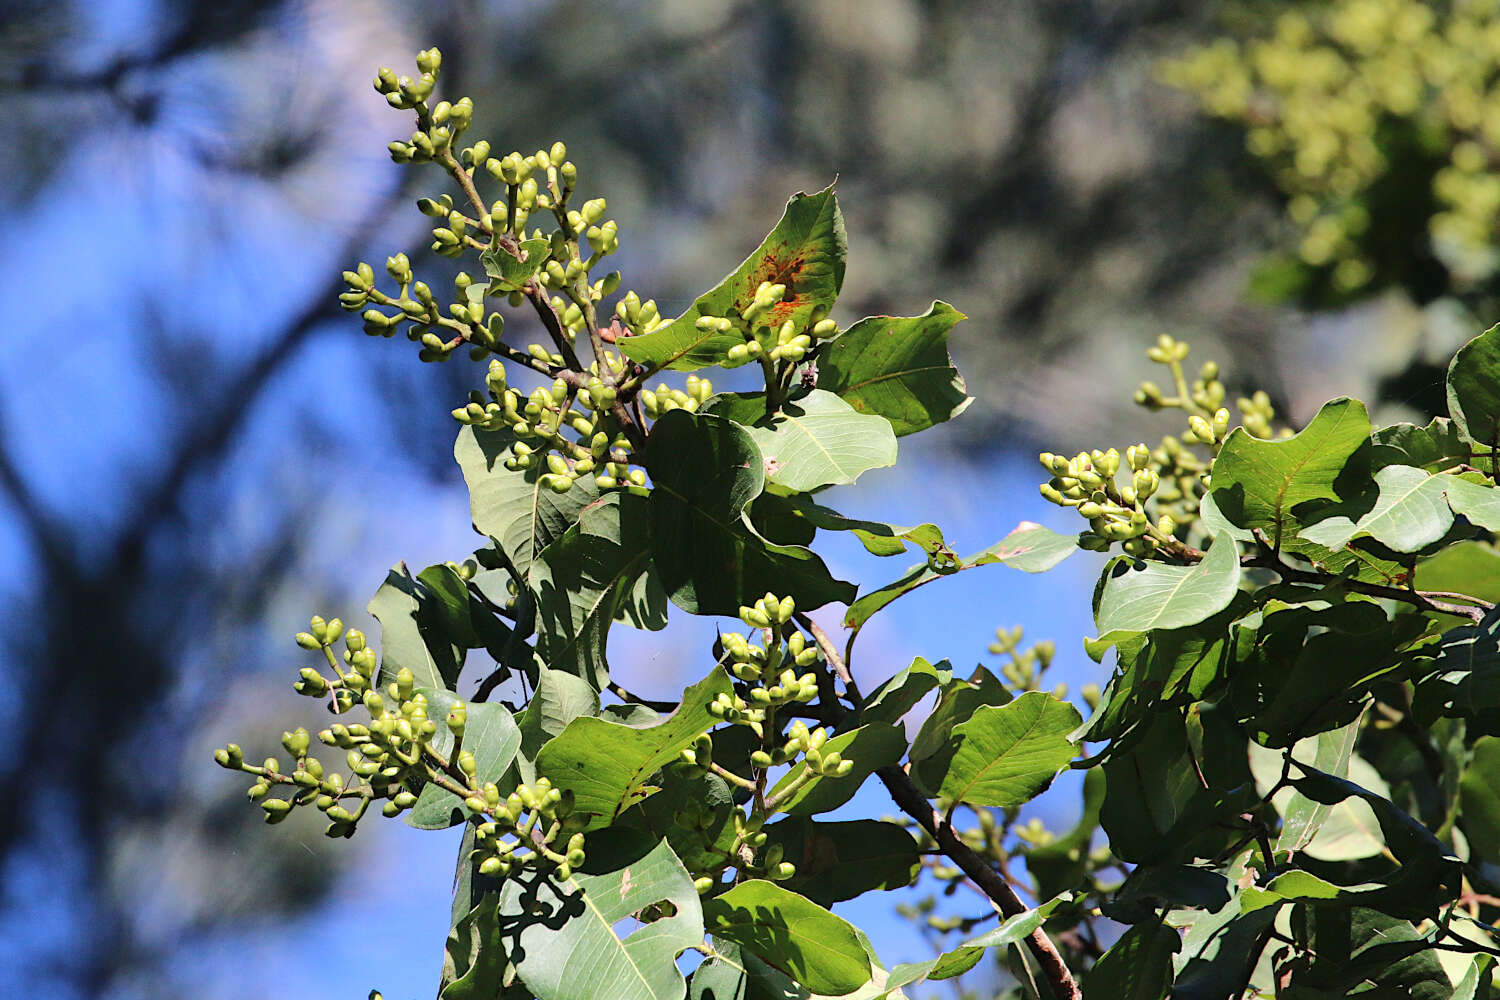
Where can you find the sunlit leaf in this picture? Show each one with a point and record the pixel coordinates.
(898, 368)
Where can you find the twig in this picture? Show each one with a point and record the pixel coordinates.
(990, 882)
(831, 654)
(635, 699)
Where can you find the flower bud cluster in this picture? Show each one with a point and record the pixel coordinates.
(1024, 668)
(532, 827)
(562, 430)
(774, 674)
(665, 399)
(440, 328)
(392, 757)
(1325, 93)
(1171, 477)
(384, 758)
(638, 317)
(766, 339)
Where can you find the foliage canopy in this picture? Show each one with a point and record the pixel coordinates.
(1289, 776)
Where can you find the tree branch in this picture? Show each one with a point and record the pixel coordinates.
(989, 881)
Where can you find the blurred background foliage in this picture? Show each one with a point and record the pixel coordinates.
(197, 448)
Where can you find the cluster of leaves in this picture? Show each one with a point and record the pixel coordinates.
(1378, 119)
(1294, 756)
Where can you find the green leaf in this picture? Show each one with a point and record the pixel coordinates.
(877, 537)
(900, 694)
(1219, 952)
(805, 252)
(514, 508)
(819, 440)
(1385, 957)
(560, 697)
(839, 861)
(1427, 874)
(608, 766)
(566, 946)
(1464, 680)
(959, 699)
(1479, 503)
(1477, 982)
(792, 933)
(1479, 800)
(1469, 567)
(1008, 754)
(734, 973)
(1410, 513)
(1270, 484)
(1140, 597)
(1301, 817)
(688, 793)
(475, 963)
(585, 578)
(1136, 967)
(1031, 548)
(704, 470)
(509, 271)
(899, 368)
(1434, 448)
(490, 734)
(1311, 667)
(1474, 388)
(870, 747)
(1156, 806)
(413, 633)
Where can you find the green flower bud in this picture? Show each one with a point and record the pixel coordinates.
(296, 742)
(703, 885)
(276, 808)
(783, 871)
(308, 641)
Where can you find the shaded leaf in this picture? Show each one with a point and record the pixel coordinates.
(412, 632)
(900, 694)
(1474, 388)
(1410, 512)
(869, 748)
(1136, 967)
(563, 937)
(585, 578)
(490, 734)
(608, 766)
(704, 470)
(1479, 800)
(1435, 448)
(792, 933)
(1465, 676)
(844, 860)
(513, 508)
(898, 368)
